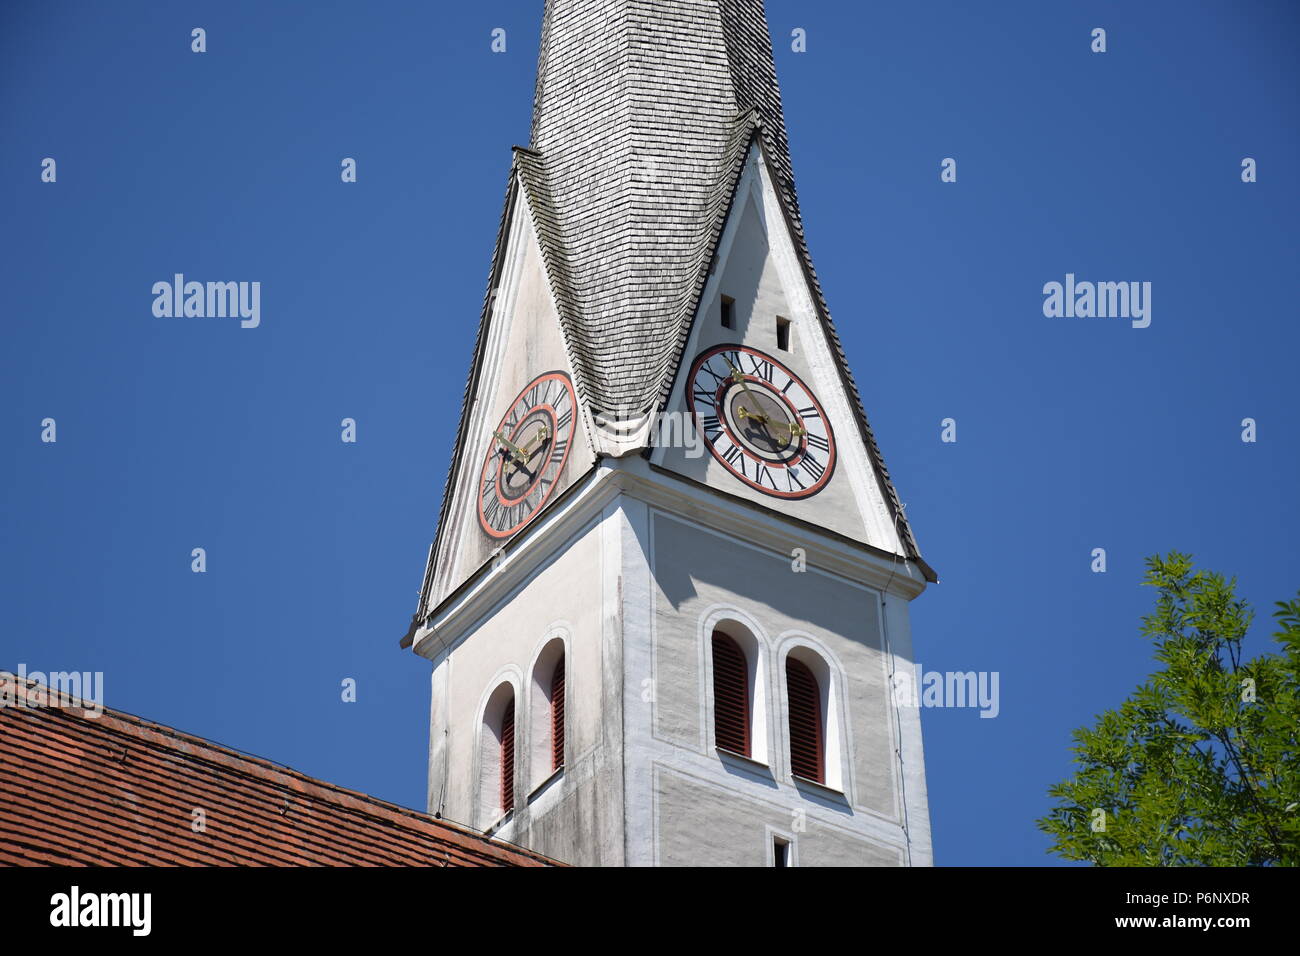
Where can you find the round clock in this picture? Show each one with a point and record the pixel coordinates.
(527, 452)
(761, 422)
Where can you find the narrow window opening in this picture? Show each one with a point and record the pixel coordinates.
(557, 715)
(783, 334)
(508, 757)
(728, 312)
(780, 852)
(806, 744)
(730, 695)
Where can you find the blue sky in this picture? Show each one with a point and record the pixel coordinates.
(1072, 434)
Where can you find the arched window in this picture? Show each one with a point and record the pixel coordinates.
(807, 740)
(508, 757)
(557, 715)
(496, 758)
(546, 716)
(731, 707)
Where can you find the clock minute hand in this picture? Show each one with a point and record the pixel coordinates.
(738, 377)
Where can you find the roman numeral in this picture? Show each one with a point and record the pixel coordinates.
(809, 412)
(791, 479)
(557, 451)
(711, 426)
(705, 396)
(815, 467)
(763, 476)
(734, 457)
(564, 420)
(491, 509)
(816, 441)
(717, 379)
(762, 368)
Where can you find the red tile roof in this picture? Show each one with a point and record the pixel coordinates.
(116, 790)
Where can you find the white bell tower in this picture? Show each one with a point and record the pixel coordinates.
(667, 603)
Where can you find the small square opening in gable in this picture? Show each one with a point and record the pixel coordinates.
(782, 334)
(728, 312)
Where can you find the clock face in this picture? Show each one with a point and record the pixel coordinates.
(761, 422)
(526, 454)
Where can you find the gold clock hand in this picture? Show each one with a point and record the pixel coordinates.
(516, 452)
(543, 434)
(738, 377)
(794, 428)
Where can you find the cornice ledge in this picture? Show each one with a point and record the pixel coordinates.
(683, 498)
(494, 580)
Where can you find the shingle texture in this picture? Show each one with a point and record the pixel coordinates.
(637, 115)
(120, 791)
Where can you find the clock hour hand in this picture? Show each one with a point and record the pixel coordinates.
(542, 434)
(794, 428)
(516, 452)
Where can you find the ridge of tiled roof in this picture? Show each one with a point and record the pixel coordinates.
(117, 790)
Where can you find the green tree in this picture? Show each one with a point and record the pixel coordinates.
(1201, 765)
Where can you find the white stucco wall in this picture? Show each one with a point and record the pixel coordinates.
(524, 341)
(634, 570)
(575, 815)
(759, 269)
(689, 804)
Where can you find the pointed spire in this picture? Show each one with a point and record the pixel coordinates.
(642, 113)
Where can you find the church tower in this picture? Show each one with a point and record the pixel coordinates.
(667, 602)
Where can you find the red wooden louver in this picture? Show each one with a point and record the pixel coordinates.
(557, 715)
(730, 695)
(805, 721)
(508, 757)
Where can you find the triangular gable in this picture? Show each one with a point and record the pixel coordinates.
(860, 502)
(521, 337)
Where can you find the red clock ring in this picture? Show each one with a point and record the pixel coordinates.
(567, 385)
(833, 455)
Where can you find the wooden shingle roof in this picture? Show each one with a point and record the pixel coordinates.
(639, 108)
(643, 113)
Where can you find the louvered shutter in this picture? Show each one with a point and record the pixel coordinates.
(805, 720)
(557, 715)
(508, 757)
(730, 695)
